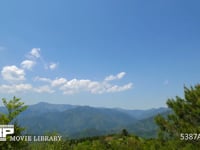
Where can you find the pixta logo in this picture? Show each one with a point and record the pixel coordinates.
(5, 130)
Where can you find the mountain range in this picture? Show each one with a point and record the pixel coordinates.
(80, 121)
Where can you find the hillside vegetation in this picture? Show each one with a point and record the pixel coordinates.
(84, 121)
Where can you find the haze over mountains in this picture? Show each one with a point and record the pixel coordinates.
(81, 121)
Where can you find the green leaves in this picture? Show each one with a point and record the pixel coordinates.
(185, 117)
(14, 108)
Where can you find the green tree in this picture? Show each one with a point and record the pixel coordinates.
(124, 132)
(185, 117)
(14, 107)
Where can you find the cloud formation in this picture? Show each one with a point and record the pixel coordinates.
(28, 64)
(17, 82)
(95, 87)
(42, 79)
(116, 77)
(44, 89)
(58, 82)
(13, 88)
(35, 52)
(52, 66)
(74, 86)
(117, 88)
(13, 73)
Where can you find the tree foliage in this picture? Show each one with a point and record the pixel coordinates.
(14, 107)
(185, 116)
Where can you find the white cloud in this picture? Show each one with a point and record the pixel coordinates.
(76, 86)
(53, 66)
(117, 88)
(80, 85)
(54, 83)
(13, 73)
(35, 55)
(95, 87)
(58, 82)
(44, 89)
(121, 75)
(69, 92)
(28, 64)
(98, 88)
(35, 52)
(116, 77)
(15, 88)
(42, 79)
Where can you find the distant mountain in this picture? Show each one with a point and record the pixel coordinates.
(143, 114)
(44, 107)
(147, 127)
(80, 121)
(76, 120)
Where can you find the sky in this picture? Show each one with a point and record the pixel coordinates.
(107, 53)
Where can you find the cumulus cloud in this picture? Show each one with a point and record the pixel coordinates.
(44, 89)
(78, 85)
(42, 79)
(53, 66)
(28, 64)
(95, 87)
(35, 55)
(58, 82)
(54, 83)
(75, 86)
(85, 85)
(13, 74)
(15, 77)
(69, 86)
(35, 52)
(117, 88)
(116, 77)
(15, 88)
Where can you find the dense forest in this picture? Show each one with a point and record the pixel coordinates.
(178, 130)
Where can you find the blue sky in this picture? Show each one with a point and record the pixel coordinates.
(108, 53)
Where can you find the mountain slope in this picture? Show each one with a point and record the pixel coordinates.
(43, 107)
(76, 120)
(80, 121)
(143, 114)
(147, 127)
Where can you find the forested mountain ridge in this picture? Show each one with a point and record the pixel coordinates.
(81, 121)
